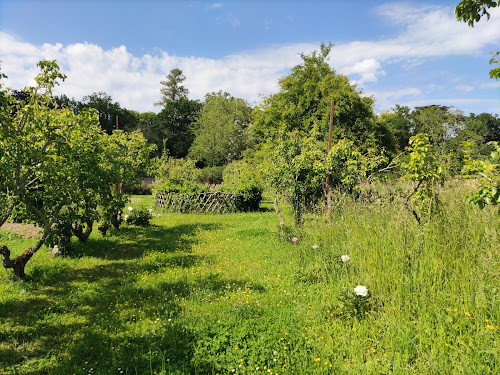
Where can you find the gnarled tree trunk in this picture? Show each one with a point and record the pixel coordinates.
(18, 264)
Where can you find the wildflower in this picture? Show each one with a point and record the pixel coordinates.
(130, 209)
(345, 258)
(295, 240)
(150, 210)
(125, 217)
(490, 326)
(315, 246)
(361, 290)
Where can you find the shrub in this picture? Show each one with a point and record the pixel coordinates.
(138, 216)
(248, 197)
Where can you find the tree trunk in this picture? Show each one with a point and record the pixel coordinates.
(83, 236)
(408, 205)
(17, 264)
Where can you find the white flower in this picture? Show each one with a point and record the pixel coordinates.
(345, 258)
(361, 290)
(150, 210)
(315, 246)
(130, 209)
(125, 217)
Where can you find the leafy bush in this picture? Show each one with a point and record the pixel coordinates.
(138, 216)
(176, 171)
(248, 197)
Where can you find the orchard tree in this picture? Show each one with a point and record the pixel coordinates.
(35, 141)
(293, 128)
(220, 130)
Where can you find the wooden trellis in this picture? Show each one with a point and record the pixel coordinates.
(217, 202)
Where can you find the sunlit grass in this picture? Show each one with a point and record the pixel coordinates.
(225, 294)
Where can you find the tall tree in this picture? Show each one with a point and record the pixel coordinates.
(304, 99)
(173, 89)
(173, 129)
(220, 130)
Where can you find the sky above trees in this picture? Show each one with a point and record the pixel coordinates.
(407, 53)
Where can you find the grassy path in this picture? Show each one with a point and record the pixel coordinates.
(224, 294)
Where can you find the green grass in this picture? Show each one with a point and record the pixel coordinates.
(203, 294)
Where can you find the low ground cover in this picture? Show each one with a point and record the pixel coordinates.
(204, 294)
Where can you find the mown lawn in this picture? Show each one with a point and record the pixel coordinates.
(203, 294)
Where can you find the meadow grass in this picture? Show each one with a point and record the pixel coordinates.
(207, 294)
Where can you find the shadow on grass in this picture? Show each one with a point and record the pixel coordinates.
(131, 242)
(75, 316)
(109, 323)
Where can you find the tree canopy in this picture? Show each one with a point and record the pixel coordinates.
(220, 131)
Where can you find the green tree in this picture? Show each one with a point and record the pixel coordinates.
(304, 100)
(107, 110)
(173, 89)
(472, 11)
(172, 128)
(400, 124)
(220, 130)
(36, 140)
(422, 168)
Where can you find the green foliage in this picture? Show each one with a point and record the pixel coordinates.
(138, 216)
(297, 168)
(422, 168)
(211, 175)
(240, 172)
(248, 197)
(471, 11)
(173, 89)
(353, 304)
(488, 173)
(220, 130)
(495, 72)
(173, 171)
(304, 101)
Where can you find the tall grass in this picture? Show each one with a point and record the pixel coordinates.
(203, 294)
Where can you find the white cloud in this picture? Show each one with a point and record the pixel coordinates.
(134, 81)
(216, 5)
(465, 88)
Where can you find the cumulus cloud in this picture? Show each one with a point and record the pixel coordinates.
(134, 81)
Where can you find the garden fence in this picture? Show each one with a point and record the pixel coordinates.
(216, 202)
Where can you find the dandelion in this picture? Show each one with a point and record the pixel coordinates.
(130, 209)
(361, 290)
(345, 258)
(315, 246)
(295, 240)
(490, 326)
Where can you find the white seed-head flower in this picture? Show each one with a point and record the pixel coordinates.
(361, 290)
(125, 217)
(345, 258)
(130, 209)
(315, 246)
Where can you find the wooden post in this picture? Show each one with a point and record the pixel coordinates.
(327, 190)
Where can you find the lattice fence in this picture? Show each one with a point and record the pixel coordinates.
(217, 202)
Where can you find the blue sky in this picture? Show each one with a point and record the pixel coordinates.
(407, 53)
